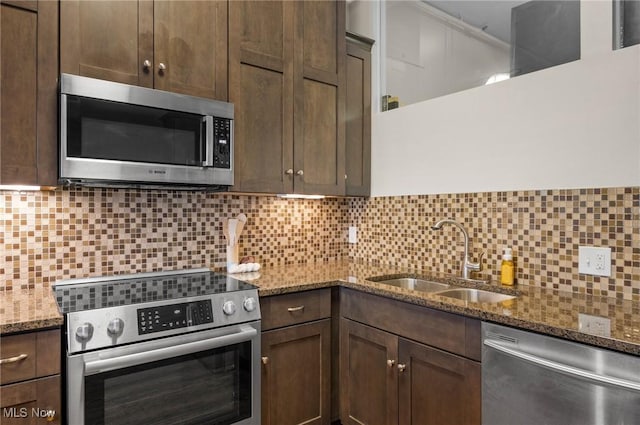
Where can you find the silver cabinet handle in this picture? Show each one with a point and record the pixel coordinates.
(105, 365)
(402, 367)
(14, 359)
(146, 64)
(390, 362)
(289, 171)
(265, 360)
(294, 309)
(563, 368)
(300, 172)
(162, 67)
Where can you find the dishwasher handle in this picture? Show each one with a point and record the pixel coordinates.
(563, 368)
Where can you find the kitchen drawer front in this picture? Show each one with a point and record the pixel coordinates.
(291, 309)
(33, 402)
(447, 331)
(30, 355)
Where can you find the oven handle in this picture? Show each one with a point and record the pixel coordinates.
(100, 366)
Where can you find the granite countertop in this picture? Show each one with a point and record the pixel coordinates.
(542, 310)
(537, 309)
(28, 309)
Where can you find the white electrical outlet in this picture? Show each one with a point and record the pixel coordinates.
(594, 325)
(594, 260)
(353, 234)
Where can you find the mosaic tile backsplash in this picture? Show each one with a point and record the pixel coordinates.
(544, 228)
(68, 233)
(46, 236)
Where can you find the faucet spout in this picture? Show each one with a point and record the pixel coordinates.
(467, 265)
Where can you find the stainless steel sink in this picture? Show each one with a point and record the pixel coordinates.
(475, 295)
(416, 284)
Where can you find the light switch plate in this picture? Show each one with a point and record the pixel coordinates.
(594, 260)
(353, 234)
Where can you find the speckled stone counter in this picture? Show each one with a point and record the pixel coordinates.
(542, 310)
(28, 310)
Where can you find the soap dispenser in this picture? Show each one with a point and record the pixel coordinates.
(506, 268)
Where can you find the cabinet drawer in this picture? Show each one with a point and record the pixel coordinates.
(30, 355)
(32, 402)
(290, 309)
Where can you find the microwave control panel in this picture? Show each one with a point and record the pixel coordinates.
(222, 142)
(174, 316)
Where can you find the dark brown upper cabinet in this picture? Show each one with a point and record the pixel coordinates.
(178, 46)
(358, 116)
(28, 92)
(286, 79)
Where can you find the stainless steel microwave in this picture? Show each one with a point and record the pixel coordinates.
(114, 134)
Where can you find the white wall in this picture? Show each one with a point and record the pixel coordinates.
(427, 57)
(571, 126)
(362, 16)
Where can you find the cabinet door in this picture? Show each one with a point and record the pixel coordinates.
(190, 41)
(368, 381)
(109, 40)
(261, 88)
(358, 119)
(319, 97)
(296, 374)
(28, 93)
(32, 402)
(437, 387)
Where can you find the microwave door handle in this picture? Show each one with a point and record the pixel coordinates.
(208, 141)
(99, 366)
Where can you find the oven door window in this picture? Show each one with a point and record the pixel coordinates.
(99, 129)
(209, 387)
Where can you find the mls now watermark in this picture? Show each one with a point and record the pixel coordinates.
(23, 412)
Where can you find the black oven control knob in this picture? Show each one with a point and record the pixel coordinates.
(84, 332)
(229, 308)
(249, 304)
(115, 327)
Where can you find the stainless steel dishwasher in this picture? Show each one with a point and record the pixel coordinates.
(529, 378)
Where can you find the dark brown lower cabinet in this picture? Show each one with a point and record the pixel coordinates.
(369, 378)
(32, 402)
(296, 374)
(436, 387)
(389, 380)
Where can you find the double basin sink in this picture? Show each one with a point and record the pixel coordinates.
(446, 290)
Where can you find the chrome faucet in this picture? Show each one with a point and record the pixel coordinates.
(467, 265)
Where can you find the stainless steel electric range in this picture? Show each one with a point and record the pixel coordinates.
(179, 347)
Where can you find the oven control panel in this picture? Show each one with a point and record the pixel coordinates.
(174, 316)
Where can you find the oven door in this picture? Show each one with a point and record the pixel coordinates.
(209, 377)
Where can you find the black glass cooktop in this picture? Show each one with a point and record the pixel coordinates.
(111, 293)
